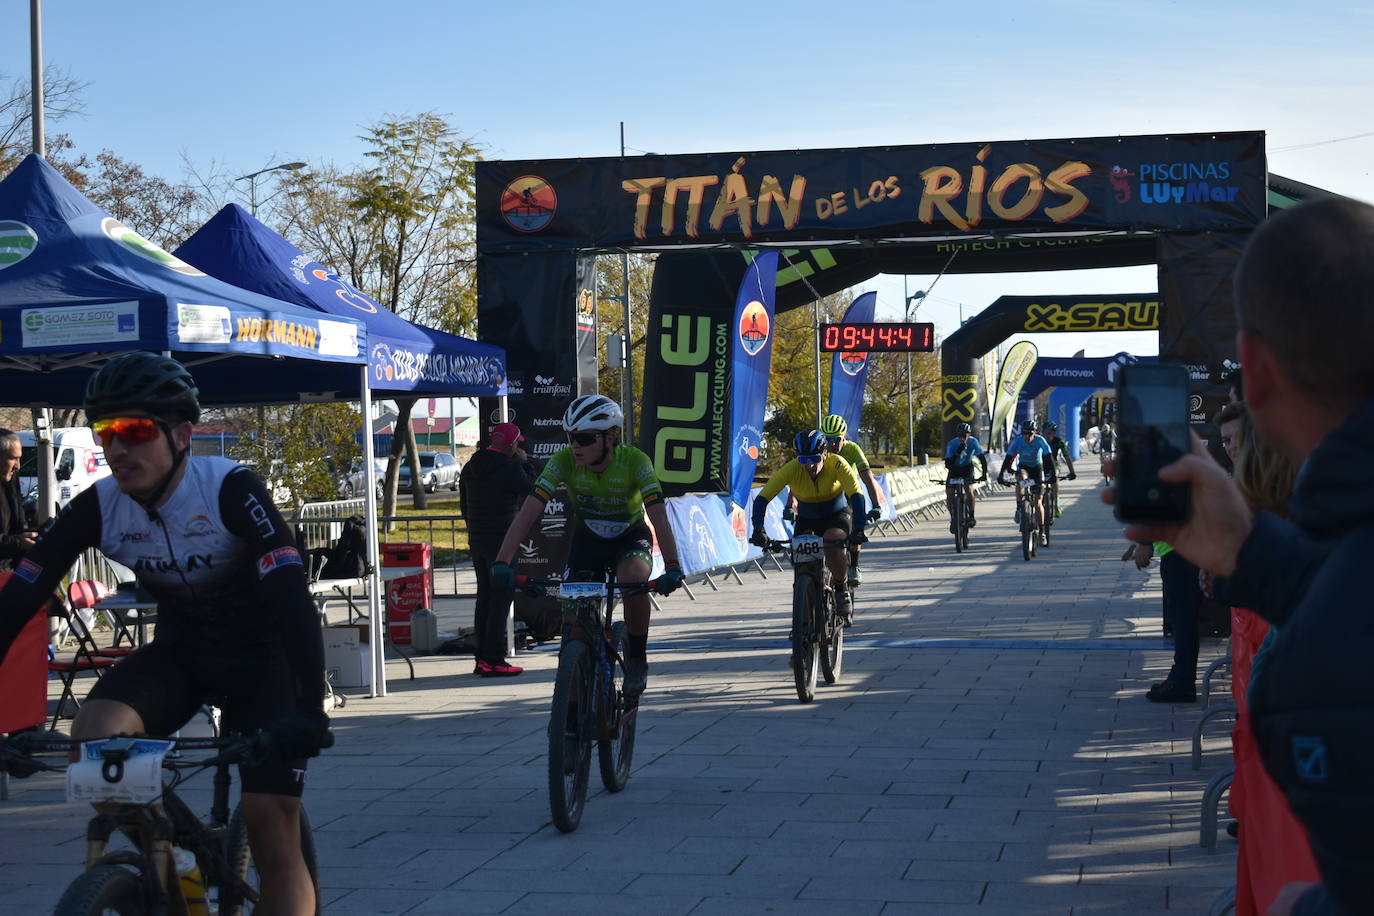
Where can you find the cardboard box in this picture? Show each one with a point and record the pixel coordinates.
(347, 659)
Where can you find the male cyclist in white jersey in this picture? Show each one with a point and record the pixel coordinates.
(236, 625)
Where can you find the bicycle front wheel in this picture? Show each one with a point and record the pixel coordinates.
(103, 890)
(240, 859)
(957, 516)
(832, 640)
(1027, 530)
(805, 648)
(617, 713)
(570, 735)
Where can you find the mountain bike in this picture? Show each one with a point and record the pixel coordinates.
(817, 634)
(960, 511)
(589, 701)
(1051, 506)
(177, 858)
(1025, 514)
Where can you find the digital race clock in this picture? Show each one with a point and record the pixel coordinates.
(878, 337)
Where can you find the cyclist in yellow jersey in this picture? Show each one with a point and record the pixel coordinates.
(829, 503)
(834, 429)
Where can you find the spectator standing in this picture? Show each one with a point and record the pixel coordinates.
(490, 489)
(1273, 845)
(15, 538)
(1304, 294)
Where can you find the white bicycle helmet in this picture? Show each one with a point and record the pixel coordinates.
(592, 412)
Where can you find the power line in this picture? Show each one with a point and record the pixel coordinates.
(1289, 149)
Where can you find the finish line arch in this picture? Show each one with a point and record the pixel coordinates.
(1183, 202)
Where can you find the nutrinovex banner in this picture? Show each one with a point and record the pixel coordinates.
(1188, 182)
(1016, 368)
(751, 358)
(849, 371)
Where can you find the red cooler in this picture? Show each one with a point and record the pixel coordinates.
(407, 594)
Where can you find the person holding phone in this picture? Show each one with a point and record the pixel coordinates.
(1028, 451)
(1304, 297)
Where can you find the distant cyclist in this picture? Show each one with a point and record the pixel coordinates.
(829, 504)
(1058, 449)
(612, 487)
(834, 428)
(959, 455)
(1106, 447)
(1028, 451)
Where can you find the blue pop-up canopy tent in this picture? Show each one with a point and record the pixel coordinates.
(78, 287)
(403, 358)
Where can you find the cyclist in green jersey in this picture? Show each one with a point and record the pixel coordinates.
(834, 429)
(611, 487)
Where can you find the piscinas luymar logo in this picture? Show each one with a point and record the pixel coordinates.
(1186, 182)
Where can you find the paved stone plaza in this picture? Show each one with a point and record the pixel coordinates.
(988, 751)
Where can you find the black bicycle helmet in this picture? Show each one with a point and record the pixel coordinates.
(146, 382)
(1051, 427)
(1028, 427)
(963, 428)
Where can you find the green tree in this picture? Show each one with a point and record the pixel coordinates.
(402, 230)
(610, 320)
(792, 379)
(304, 450)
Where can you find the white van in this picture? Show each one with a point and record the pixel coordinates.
(78, 461)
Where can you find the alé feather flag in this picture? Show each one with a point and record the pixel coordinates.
(751, 358)
(849, 371)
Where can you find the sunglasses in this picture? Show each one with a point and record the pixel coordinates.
(810, 459)
(130, 430)
(834, 440)
(584, 438)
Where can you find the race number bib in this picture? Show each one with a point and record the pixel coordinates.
(806, 548)
(139, 782)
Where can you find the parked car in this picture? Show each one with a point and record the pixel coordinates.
(354, 483)
(437, 469)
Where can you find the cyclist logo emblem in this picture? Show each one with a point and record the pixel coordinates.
(853, 363)
(753, 327)
(528, 203)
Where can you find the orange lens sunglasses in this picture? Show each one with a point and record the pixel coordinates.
(130, 430)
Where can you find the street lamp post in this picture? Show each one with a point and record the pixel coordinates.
(910, 422)
(252, 179)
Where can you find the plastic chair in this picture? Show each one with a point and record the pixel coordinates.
(85, 595)
(66, 672)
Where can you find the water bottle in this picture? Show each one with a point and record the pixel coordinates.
(424, 630)
(192, 881)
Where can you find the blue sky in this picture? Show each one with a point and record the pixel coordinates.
(245, 85)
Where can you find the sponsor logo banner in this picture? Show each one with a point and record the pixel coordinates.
(17, 242)
(1188, 182)
(751, 359)
(1015, 370)
(115, 322)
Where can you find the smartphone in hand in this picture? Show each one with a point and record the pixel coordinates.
(1152, 431)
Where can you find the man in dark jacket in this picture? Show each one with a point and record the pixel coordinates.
(493, 484)
(15, 538)
(1305, 306)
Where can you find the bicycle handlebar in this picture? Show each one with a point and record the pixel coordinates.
(525, 582)
(17, 751)
(774, 546)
